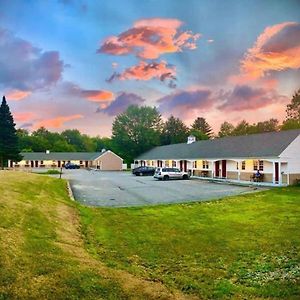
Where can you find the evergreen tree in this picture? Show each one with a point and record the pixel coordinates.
(9, 148)
(201, 124)
(174, 132)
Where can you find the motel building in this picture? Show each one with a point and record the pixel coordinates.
(234, 159)
(105, 160)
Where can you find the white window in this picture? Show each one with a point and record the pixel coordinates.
(195, 164)
(173, 163)
(205, 164)
(261, 165)
(166, 163)
(255, 165)
(243, 165)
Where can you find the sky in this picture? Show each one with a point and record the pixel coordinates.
(68, 64)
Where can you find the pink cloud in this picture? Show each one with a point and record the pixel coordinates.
(244, 97)
(120, 104)
(98, 95)
(23, 116)
(147, 71)
(57, 122)
(150, 38)
(17, 95)
(276, 49)
(186, 103)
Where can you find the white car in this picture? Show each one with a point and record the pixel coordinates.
(170, 173)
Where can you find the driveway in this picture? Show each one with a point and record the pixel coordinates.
(122, 189)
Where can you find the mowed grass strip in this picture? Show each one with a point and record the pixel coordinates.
(244, 247)
(42, 254)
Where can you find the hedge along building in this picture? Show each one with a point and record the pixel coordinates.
(105, 160)
(275, 154)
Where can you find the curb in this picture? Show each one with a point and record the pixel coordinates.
(70, 192)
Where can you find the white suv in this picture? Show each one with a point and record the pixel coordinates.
(170, 173)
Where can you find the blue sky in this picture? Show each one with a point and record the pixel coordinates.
(188, 58)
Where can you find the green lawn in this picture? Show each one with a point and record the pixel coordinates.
(244, 247)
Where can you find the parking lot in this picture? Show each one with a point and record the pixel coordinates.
(122, 189)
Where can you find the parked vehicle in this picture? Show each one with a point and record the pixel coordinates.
(70, 165)
(142, 171)
(170, 173)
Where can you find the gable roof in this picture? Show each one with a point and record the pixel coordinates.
(270, 144)
(61, 155)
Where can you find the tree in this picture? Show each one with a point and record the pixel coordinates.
(75, 138)
(174, 132)
(135, 131)
(201, 124)
(267, 126)
(290, 124)
(199, 135)
(9, 148)
(226, 129)
(293, 109)
(242, 128)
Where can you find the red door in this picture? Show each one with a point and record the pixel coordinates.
(32, 163)
(58, 163)
(36, 163)
(86, 163)
(217, 171)
(185, 165)
(224, 168)
(181, 165)
(276, 172)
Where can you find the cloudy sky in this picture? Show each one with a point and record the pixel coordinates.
(79, 63)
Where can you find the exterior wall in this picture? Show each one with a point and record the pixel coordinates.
(202, 173)
(232, 175)
(284, 178)
(245, 176)
(292, 155)
(108, 162)
(293, 178)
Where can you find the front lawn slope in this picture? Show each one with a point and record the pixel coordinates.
(244, 247)
(42, 255)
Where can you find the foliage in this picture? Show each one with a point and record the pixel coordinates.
(201, 124)
(293, 109)
(290, 124)
(174, 131)
(198, 134)
(136, 131)
(9, 146)
(226, 129)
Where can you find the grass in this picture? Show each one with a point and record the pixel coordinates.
(49, 172)
(244, 247)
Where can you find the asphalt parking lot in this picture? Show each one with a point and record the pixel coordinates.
(122, 189)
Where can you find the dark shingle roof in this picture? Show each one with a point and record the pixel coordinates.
(255, 145)
(61, 155)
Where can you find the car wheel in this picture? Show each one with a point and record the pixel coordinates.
(185, 177)
(166, 177)
(140, 174)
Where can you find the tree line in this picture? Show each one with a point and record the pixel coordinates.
(134, 131)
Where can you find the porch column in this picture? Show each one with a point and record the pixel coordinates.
(239, 170)
(279, 173)
(213, 169)
(273, 175)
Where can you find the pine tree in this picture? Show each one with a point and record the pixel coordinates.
(201, 124)
(9, 148)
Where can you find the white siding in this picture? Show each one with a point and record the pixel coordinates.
(292, 155)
